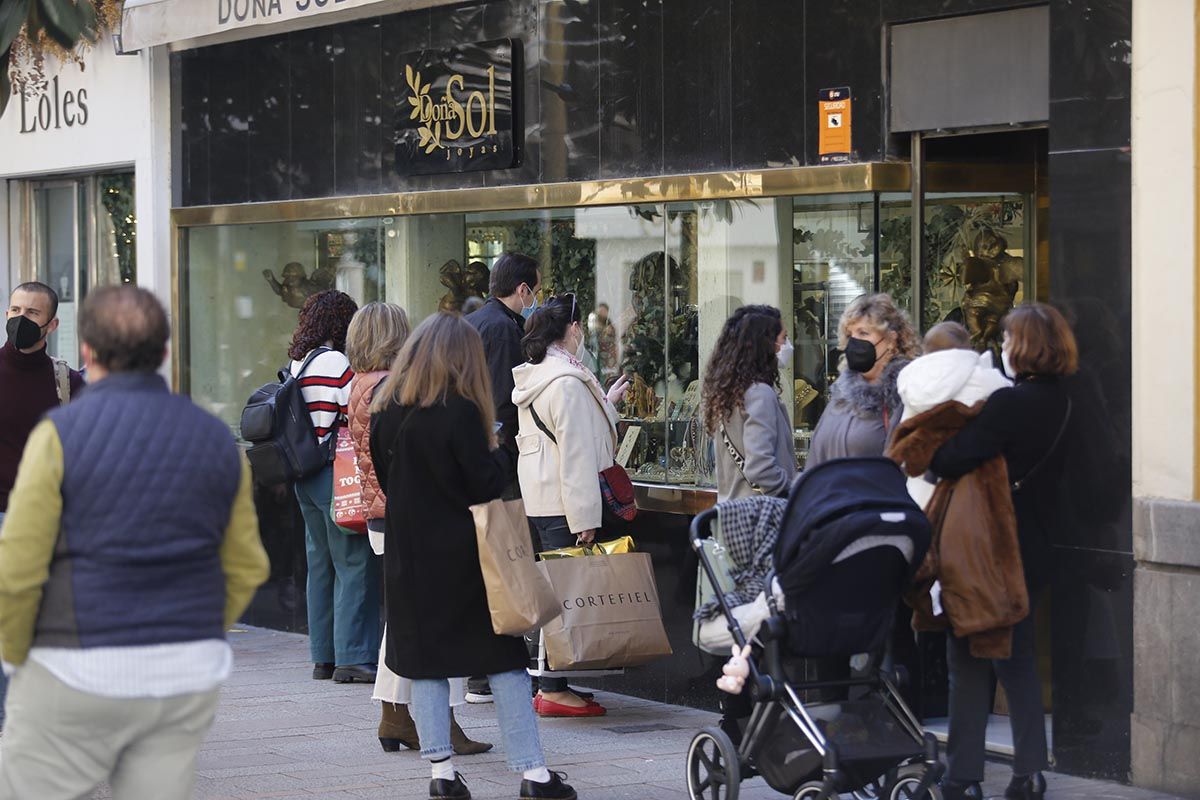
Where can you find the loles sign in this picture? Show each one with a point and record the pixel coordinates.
(54, 109)
(459, 109)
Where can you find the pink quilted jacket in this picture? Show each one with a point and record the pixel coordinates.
(361, 390)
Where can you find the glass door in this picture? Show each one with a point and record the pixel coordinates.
(60, 259)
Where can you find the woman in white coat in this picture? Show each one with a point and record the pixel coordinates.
(567, 435)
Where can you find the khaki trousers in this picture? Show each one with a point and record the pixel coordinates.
(60, 744)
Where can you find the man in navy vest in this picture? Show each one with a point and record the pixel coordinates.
(129, 547)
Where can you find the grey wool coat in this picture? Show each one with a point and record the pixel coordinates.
(762, 433)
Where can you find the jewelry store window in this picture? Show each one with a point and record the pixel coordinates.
(655, 281)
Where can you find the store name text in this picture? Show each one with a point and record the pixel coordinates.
(445, 121)
(54, 109)
(242, 10)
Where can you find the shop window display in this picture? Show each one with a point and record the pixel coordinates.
(655, 282)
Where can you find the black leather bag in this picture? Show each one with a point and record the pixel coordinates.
(276, 422)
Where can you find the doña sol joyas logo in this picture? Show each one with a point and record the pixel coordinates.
(447, 119)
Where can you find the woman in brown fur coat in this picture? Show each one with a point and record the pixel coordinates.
(1025, 425)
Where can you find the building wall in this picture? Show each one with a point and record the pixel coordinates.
(1166, 734)
(128, 111)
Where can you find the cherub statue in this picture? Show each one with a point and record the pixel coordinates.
(478, 278)
(296, 287)
(992, 278)
(735, 671)
(453, 279)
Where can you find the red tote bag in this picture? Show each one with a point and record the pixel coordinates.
(349, 508)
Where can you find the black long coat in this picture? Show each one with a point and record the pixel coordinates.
(1020, 424)
(433, 464)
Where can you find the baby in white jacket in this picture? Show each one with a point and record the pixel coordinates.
(949, 370)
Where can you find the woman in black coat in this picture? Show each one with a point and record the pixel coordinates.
(1026, 424)
(435, 456)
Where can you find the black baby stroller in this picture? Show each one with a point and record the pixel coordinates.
(850, 541)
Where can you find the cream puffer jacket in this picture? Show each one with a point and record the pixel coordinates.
(563, 479)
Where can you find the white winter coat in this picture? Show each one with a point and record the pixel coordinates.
(963, 376)
(563, 479)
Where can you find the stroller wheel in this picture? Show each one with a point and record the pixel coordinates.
(813, 790)
(713, 768)
(905, 787)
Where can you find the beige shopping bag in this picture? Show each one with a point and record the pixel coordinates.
(520, 598)
(610, 612)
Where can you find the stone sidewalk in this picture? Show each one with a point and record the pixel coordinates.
(281, 735)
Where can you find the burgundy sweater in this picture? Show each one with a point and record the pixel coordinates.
(27, 391)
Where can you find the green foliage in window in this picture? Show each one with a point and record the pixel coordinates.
(116, 194)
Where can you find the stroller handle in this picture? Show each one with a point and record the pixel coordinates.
(701, 528)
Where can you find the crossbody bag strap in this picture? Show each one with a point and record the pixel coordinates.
(541, 425)
(738, 460)
(1018, 484)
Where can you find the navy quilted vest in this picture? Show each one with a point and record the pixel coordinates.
(148, 487)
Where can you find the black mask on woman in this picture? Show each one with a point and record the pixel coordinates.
(860, 355)
(23, 332)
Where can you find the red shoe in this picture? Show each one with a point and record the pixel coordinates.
(548, 708)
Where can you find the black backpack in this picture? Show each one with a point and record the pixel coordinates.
(277, 424)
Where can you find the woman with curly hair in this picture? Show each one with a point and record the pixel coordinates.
(742, 409)
(343, 576)
(877, 341)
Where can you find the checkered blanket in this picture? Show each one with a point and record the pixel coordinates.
(749, 530)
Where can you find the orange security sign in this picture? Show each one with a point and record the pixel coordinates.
(834, 142)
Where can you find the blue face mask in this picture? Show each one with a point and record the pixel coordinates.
(528, 312)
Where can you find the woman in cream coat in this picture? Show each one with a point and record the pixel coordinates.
(561, 458)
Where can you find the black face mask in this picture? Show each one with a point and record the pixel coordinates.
(23, 332)
(860, 355)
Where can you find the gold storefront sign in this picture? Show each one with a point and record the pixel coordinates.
(459, 110)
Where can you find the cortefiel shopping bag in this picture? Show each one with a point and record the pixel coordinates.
(610, 612)
(349, 508)
(519, 597)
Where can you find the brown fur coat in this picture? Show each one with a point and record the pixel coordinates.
(975, 553)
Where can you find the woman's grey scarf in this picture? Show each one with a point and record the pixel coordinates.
(867, 400)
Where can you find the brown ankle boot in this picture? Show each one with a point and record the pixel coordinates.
(461, 744)
(396, 727)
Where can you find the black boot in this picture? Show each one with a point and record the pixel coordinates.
(961, 791)
(1029, 787)
(554, 789)
(442, 789)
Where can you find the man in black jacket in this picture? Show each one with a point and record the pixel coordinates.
(513, 287)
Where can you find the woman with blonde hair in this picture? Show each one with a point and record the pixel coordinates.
(433, 444)
(877, 341)
(376, 334)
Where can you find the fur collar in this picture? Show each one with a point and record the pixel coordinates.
(852, 392)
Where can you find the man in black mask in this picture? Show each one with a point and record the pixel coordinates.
(31, 383)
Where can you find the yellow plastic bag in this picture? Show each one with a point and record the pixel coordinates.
(622, 545)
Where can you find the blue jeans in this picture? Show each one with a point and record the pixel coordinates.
(510, 690)
(343, 581)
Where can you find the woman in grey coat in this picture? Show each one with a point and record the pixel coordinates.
(877, 341)
(755, 450)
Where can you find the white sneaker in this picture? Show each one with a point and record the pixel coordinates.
(479, 697)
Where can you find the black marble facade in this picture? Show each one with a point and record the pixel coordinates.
(626, 88)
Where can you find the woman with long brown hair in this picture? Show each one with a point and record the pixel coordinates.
(376, 334)
(343, 576)
(742, 410)
(434, 448)
(1026, 425)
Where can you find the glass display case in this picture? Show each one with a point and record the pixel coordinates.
(655, 283)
